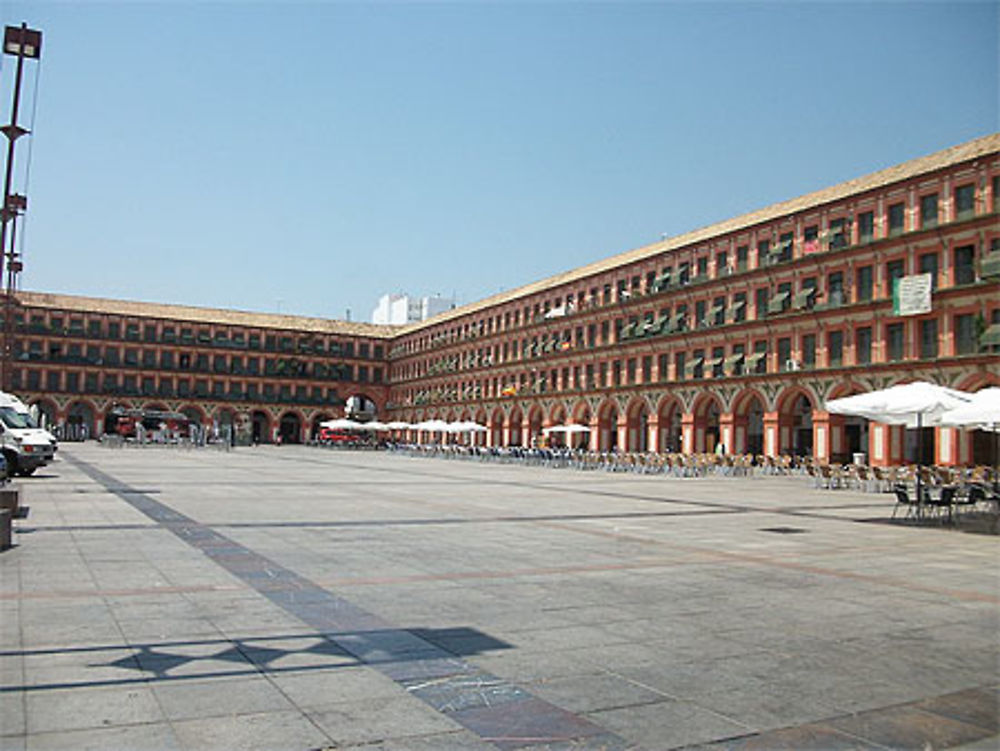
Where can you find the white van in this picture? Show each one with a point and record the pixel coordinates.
(25, 446)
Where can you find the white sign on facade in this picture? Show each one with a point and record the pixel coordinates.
(911, 295)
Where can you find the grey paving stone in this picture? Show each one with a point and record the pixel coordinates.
(219, 697)
(379, 718)
(250, 732)
(150, 737)
(668, 724)
(84, 707)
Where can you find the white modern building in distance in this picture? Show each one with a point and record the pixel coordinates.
(402, 309)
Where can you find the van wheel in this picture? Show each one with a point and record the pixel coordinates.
(25, 471)
(12, 467)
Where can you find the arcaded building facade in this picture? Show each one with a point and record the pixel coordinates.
(271, 377)
(735, 333)
(739, 332)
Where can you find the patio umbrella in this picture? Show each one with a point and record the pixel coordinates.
(916, 405)
(374, 425)
(568, 429)
(341, 423)
(981, 412)
(398, 425)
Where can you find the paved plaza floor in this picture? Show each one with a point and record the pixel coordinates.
(302, 598)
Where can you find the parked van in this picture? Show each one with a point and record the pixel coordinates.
(24, 445)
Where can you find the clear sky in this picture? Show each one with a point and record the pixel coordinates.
(309, 157)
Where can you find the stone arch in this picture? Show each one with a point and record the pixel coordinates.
(607, 425)
(749, 408)
(515, 421)
(536, 418)
(290, 426)
(495, 426)
(47, 412)
(260, 426)
(637, 414)
(81, 420)
(669, 412)
(194, 413)
(795, 407)
(707, 411)
(361, 407)
(557, 414)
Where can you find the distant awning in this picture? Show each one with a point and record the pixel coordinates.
(990, 337)
(804, 298)
(693, 365)
(989, 267)
(733, 360)
(777, 303)
(754, 358)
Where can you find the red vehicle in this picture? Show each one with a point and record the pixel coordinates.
(334, 436)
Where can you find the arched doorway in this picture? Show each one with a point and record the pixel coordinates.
(534, 426)
(224, 425)
(514, 423)
(260, 427)
(670, 438)
(706, 424)
(79, 422)
(581, 416)
(45, 413)
(290, 428)
(802, 426)
(360, 407)
(755, 427)
(637, 430)
(607, 427)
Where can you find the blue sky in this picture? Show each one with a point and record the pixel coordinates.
(309, 157)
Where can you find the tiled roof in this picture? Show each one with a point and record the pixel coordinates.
(987, 145)
(205, 315)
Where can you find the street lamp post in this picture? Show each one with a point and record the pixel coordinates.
(21, 42)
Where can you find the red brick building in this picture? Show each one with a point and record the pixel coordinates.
(738, 332)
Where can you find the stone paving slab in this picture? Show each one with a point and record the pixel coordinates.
(301, 598)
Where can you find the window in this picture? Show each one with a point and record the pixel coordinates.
(928, 339)
(760, 302)
(785, 353)
(893, 271)
(131, 357)
(739, 307)
(149, 358)
(721, 263)
(149, 333)
(647, 368)
(679, 359)
(928, 264)
(809, 351)
(114, 331)
(835, 289)
(965, 197)
(965, 269)
(742, 257)
(929, 211)
(894, 342)
(966, 340)
(52, 380)
(835, 349)
(865, 283)
(838, 234)
(866, 226)
(630, 370)
(663, 367)
(863, 345)
(897, 212)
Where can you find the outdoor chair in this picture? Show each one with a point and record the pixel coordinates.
(903, 499)
(943, 504)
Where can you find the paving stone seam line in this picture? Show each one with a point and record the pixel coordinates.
(402, 655)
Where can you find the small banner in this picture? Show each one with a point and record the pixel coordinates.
(911, 295)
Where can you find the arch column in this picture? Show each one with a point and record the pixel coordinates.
(947, 444)
(653, 432)
(772, 433)
(595, 434)
(689, 432)
(730, 432)
(885, 444)
(623, 436)
(823, 435)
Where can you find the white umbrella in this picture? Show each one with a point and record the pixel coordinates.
(398, 425)
(466, 426)
(915, 405)
(374, 425)
(981, 412)
(341, 423)
(432, 426)
(568, 429)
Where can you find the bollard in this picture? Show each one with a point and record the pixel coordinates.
(6, 529)
(10, 499)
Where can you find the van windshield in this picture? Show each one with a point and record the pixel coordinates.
(13, 419)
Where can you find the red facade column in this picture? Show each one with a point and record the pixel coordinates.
(688, 433)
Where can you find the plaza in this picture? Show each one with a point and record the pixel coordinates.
(300, 598)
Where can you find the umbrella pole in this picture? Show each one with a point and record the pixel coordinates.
(920, 456)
